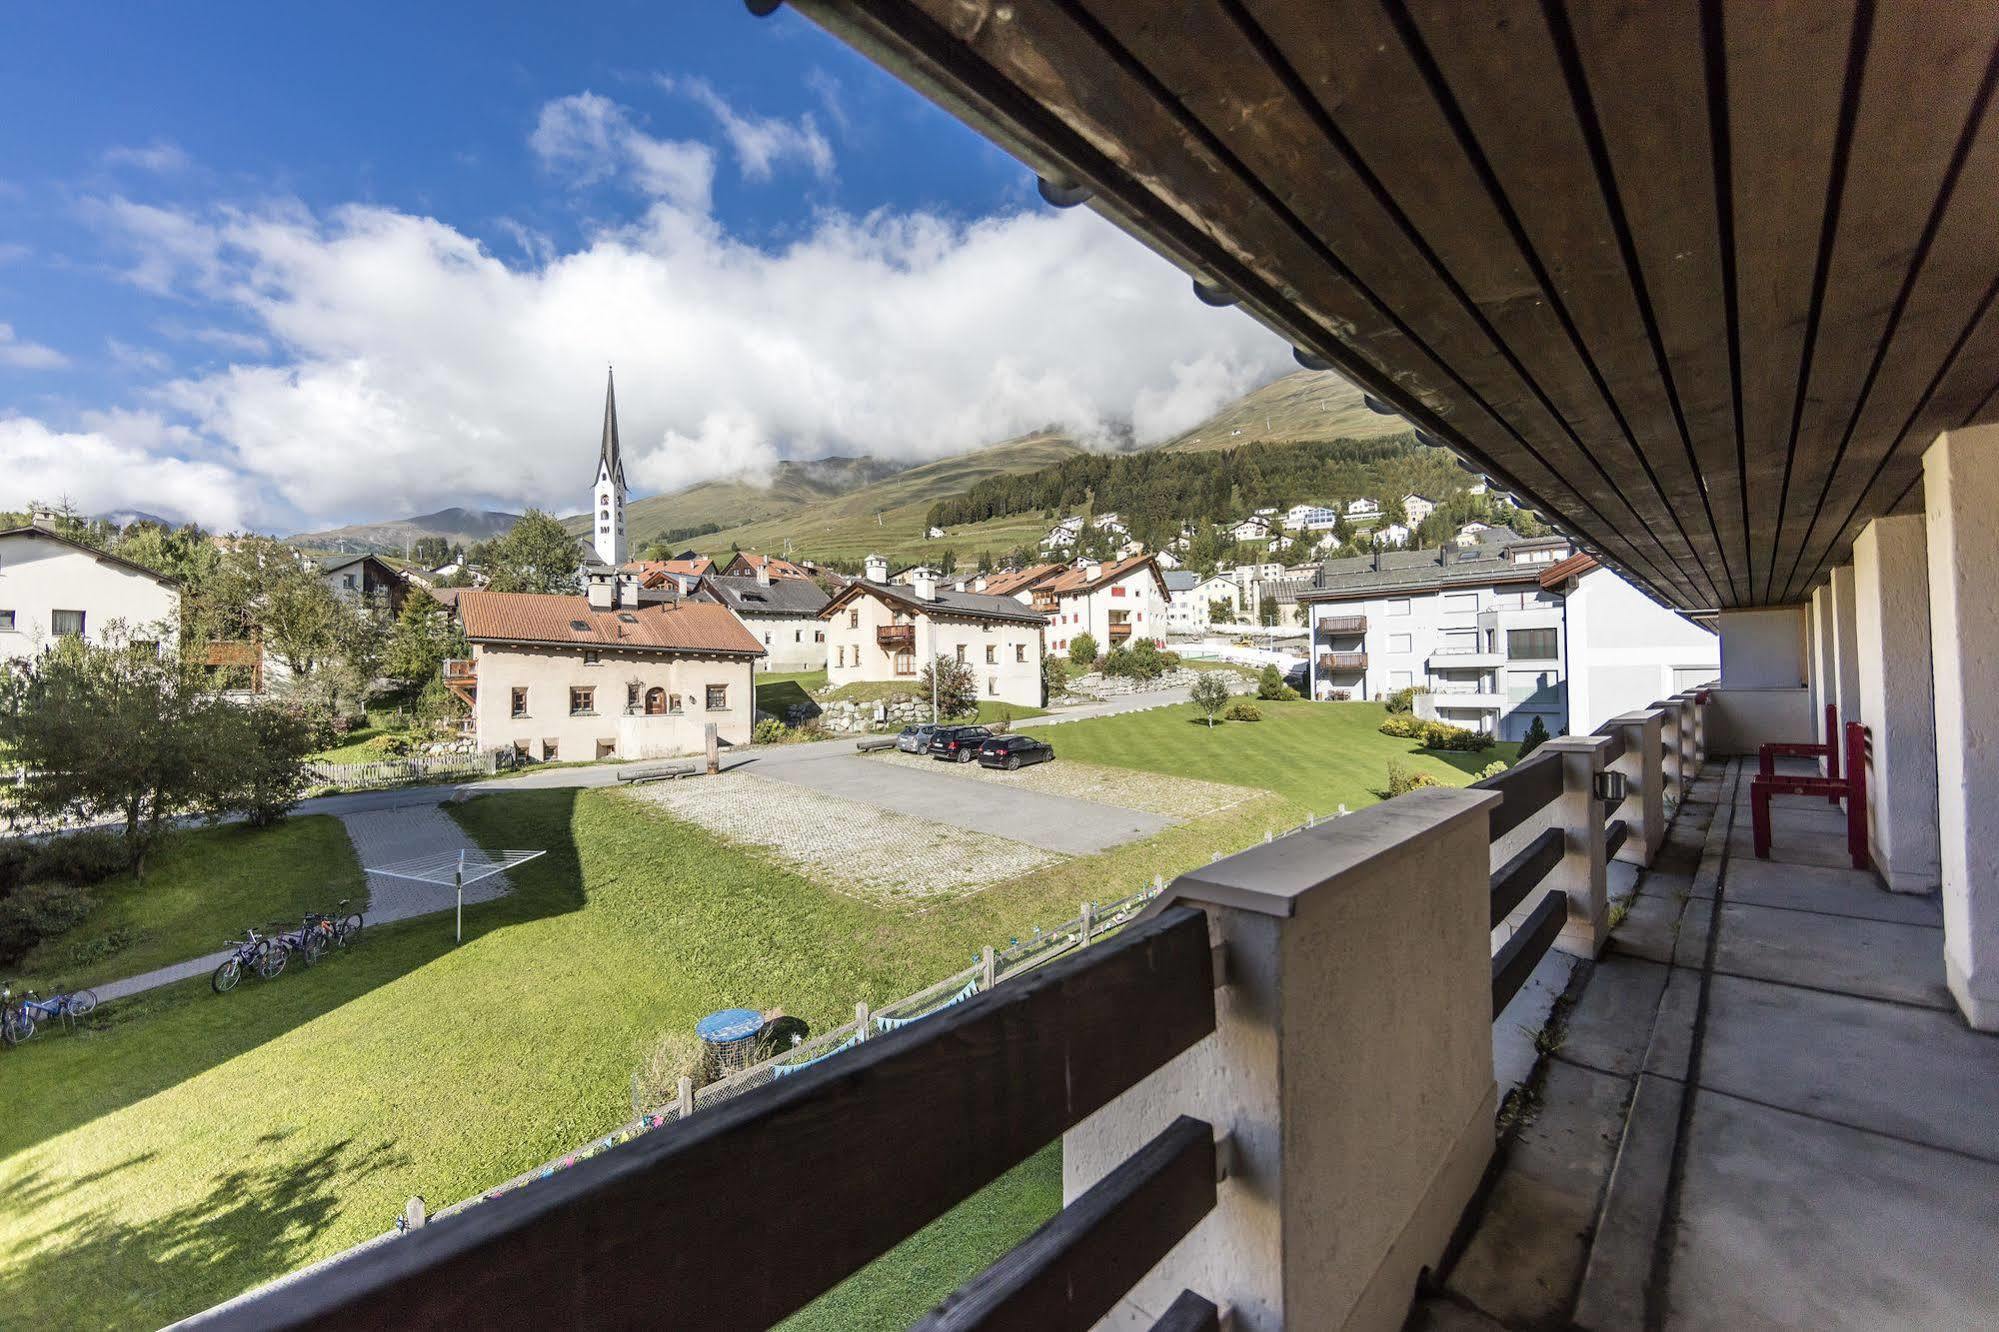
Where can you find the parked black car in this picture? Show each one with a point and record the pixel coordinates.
(958, 744)
(1014, 751)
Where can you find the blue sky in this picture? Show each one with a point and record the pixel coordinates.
(280, 265)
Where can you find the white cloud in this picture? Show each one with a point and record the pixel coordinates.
(588, 139)
(762, 143)
(129, 356)
(416, 369)
(19, 355)
(158, 156)
(14, 251)
(100, 474)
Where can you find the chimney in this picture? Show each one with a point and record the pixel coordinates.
(926, 586)
(1093, 571)
(603, 590)
(875, 569)
(44, 519)
(763, 573)
(979, 583)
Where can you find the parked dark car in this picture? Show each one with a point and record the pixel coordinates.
(958, 744)
(1014, 751)
(916, 739)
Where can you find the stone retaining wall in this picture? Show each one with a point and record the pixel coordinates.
(1097, 685)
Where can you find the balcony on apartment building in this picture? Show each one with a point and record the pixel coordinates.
(1461, 697)
(1342, 663)
(896, 637)
(1341, 626)
(1120, 631)
(1466, 658)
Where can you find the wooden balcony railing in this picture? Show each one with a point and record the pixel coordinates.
(896, 637)
(1337, 626)
(1120, 632)
(1334, 662)
(832, 1167)
(461, 677)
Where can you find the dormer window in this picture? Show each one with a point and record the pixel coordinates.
(626, 617)
(579, 626)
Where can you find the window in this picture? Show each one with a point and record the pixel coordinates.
(6, 622)
(818, 635)
(579, 626)
(854, 618)
(905, 663)
(1461, 603)
(766, 638)
(66, 622)
(1530, 644)
(961, 652)
(992, 685)
(592, 658)
(520, 704)
(992, 655)
(840, 654)
(718, 698)
(1398, 606)
(1400, 642)
(798, 635)
(551, 749)
(1117, 591)
(656, 702)
(582, 702)
(1399, 680)
(631, 698)
(1020, 652)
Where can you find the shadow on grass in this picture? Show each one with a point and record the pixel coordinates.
(134, 1048)
(1471, 764)
(780, 696)
(109, 1267)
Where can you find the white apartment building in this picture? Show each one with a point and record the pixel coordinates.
(782, 612)
(1491, 632)
(878, 631)
(1251, 529)
(1116, 603)
(1363, 508)
(51, 586)
(1417, 508)
(1190, 601)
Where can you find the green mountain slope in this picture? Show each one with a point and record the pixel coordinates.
(459, 526)
(1306, 405)
(734, 501)
(889, 515)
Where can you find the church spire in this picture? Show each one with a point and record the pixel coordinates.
(608, 461)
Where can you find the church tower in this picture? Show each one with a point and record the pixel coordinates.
(609, 506)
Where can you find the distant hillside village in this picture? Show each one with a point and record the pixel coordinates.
(557, 647)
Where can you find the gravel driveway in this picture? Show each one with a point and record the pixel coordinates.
(1125, 788)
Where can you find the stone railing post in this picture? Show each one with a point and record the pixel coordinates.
(1644, 809)
(1700, 730)
(1669, 748)
(1581, 873)
(1350, 1067)
(1690, 764)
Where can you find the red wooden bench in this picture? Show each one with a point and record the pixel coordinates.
(1828, 749)
(1853, 787)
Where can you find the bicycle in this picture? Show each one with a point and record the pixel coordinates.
(310, 944)
(338, 926)
(255, 952)
(18, 1018)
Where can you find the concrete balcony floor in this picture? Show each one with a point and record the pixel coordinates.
(1760, 1109)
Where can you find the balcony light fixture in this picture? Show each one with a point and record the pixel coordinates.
(1062, 192)
(1377, 406)
(1610, 787)
(1213, 293)
(762, 8)
(1428, 440)
(1309, 361)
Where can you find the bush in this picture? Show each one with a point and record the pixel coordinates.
(1001, 724)
(79, 859)
(1243, 710)
(1537, 735)
(1271, 688)
(1144, 660)
(1083, 650)
(1403, 725)
(1402, 779)
(770, 731)
(1116, 663)
(1054, 677)
(1492, 769)
(1436, 734)
(1403, 700)
(39, 911)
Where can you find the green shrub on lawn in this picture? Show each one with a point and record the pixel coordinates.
(770, 731)
(1271, 688)
(1402, 779)
(1083, 650)
(1492, 769)
(1403, 700)
(1436, 734)
(35, 912)
(1243, 710)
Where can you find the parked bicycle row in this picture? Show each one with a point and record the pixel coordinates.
(266, 955)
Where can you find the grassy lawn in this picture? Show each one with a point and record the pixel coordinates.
(1320, 755)
(353, 747)
(777, 690)
(201, 891)
(186, 1146)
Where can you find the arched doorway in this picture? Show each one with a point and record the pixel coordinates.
(655, 702)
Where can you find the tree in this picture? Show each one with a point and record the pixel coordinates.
(1211, 695)
(420, 641)
(301, 618)
(1537, 735)
(1054, 678)
(535, 555)
(957, 693)
(1271, 687)
(1266, 611)
(431, 551)
(117, 728)
(260, 761)
(1083, 650)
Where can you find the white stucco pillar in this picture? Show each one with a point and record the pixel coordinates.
(1581, 873)
(1892, 638)
(1673, 773)
(1961, 509)
(1644, 808)
(1845, 645)
(1350, 1067)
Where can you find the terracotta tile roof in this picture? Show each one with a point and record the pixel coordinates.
(1078, 580)
(532, 617)
(1015, 580)
(654, 573)
(748, 563)
(1562, 571)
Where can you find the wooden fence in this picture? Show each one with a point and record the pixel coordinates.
(403, 771)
